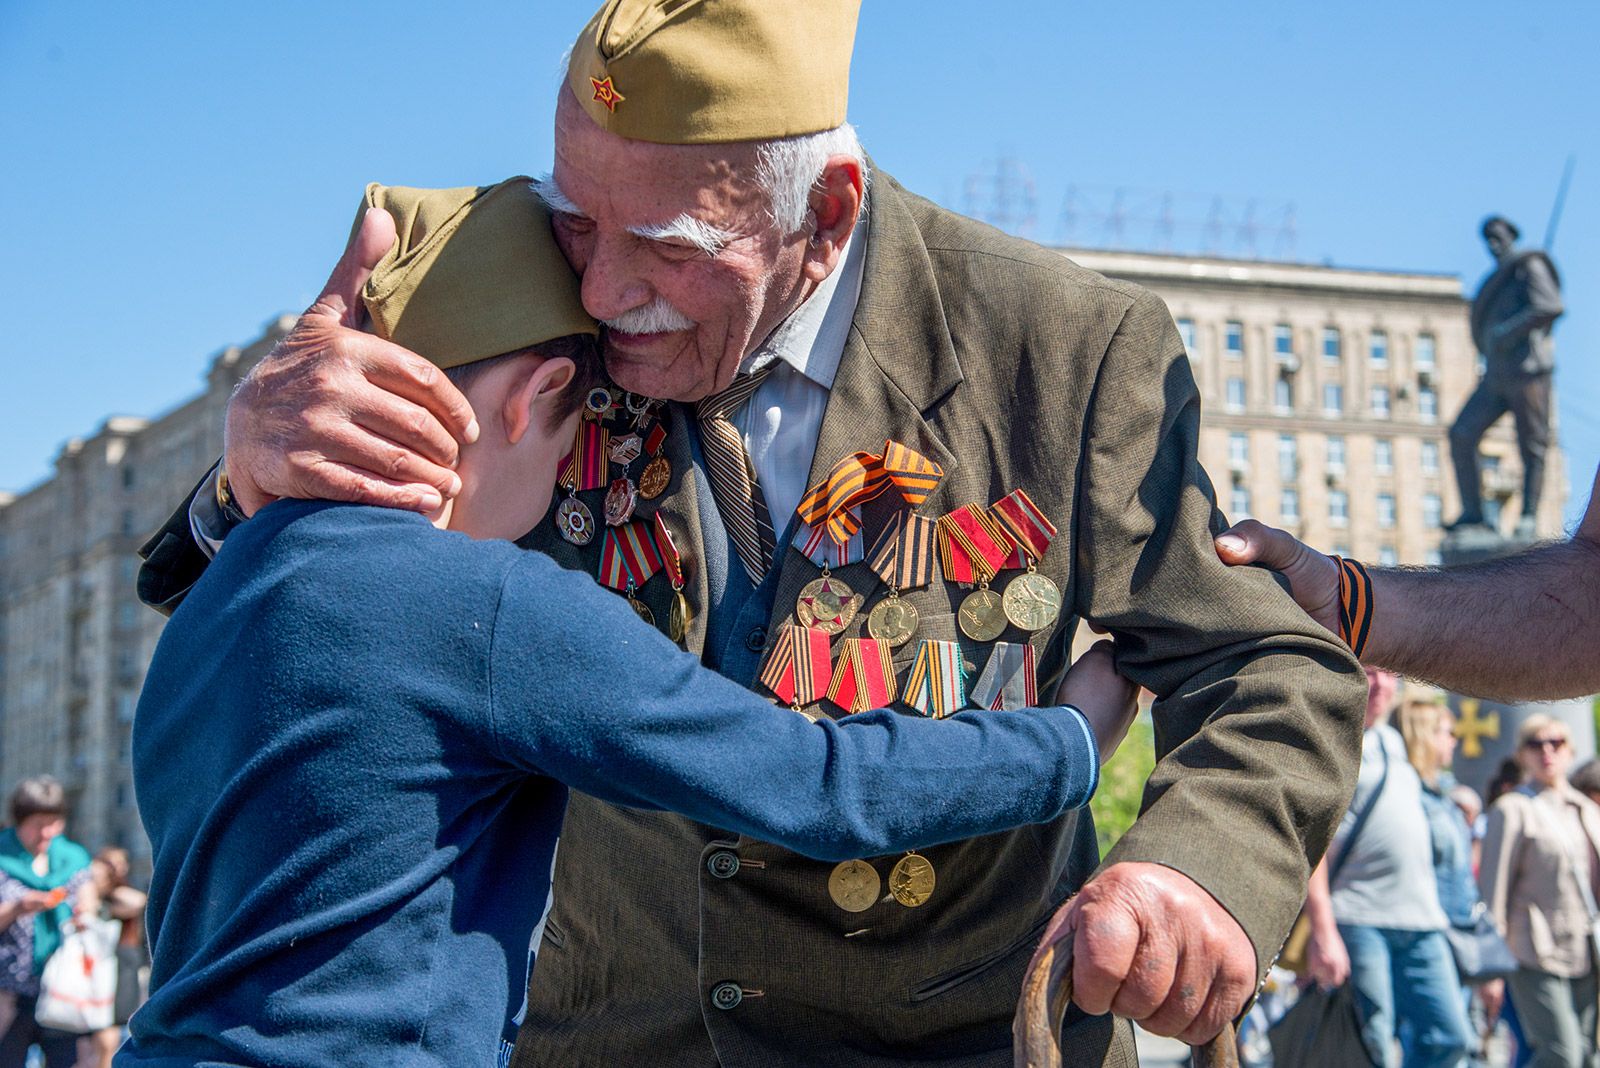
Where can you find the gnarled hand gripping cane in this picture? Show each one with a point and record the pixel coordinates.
(1046, 992)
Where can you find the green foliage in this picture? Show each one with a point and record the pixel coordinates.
(1116, 802)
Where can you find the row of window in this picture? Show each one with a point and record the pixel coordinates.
(1339, 508)
(1289, 455)
(1333, 399)
(1332, 343)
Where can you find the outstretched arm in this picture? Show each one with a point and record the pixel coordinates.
(612, 708)
(1523, 627)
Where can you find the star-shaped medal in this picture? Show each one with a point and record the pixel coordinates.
(827, 604)
(606, 93)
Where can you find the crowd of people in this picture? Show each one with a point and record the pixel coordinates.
(50, 886)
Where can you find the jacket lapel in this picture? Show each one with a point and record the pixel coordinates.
(898, 363)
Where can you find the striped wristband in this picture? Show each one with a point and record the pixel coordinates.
(1355, 604)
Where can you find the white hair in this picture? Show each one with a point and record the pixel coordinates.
(657, 317)
(684, 227)
(788, 168)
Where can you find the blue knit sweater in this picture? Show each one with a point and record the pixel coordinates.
(350, 756)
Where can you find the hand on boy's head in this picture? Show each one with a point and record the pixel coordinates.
(335, 413)
(1106, 699)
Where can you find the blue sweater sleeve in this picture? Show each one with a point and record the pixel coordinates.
(582, 691)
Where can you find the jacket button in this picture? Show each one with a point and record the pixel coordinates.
(726, 996)
(723, 864)
(756, 640)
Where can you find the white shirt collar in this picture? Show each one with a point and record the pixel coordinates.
(812, 339)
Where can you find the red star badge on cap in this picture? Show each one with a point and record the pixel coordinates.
(606, 93)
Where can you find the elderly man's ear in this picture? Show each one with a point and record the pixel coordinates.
(835, 206)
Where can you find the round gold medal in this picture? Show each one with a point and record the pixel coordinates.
(894, 621)
(677, 616)
(982, 617)
(827, 604)
(654, 478)
(642, 610)
(854, 886)
(1032, 601)
(911, 881)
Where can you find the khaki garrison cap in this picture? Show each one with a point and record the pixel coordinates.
(689, 72)
(474, 273)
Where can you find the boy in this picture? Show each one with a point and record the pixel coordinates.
(355, 739)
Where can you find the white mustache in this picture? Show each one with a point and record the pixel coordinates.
(657, 317)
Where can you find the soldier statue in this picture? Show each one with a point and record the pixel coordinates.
(1511, 320)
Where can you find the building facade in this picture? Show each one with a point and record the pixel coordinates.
(74, 639)
(1327, 395)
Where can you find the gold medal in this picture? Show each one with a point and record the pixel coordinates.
(642, 610)
(1032, 601)
(911, 881)
(677, 616)
(855, 885)
(827, 604)
(575, 521)
(654, 478)
(893, 621)
(982, 616)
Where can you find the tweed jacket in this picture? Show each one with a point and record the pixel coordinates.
(1529, 878)
(1010, 367)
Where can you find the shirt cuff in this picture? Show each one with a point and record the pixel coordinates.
(1093, 744)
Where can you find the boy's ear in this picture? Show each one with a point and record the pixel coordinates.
(529, 401)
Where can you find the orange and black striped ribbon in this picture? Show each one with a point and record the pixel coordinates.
(1355, 604)
(972, 546)
(798, 670)
(903, 554)
(912, 473)
(832, 504)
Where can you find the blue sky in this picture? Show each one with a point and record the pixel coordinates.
(176, 174)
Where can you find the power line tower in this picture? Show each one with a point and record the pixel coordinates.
(1003, 194)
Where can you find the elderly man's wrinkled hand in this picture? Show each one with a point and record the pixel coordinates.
(1313, 578)
(338, 414)
(1149, 944)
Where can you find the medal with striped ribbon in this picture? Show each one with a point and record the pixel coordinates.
(972, 548)
(863, 678)
(1031, 600)
(1008, 679)
(903, 558)
(798, 669)
(937, 684)
(678, 614)
(815, 544)
(628, 559)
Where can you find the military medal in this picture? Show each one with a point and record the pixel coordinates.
(816, 545)
(937, 684)
(640, 609)
(575, 521)
(854, 886)
(657, 472)
(903, 558)
(1032, 601)
(678, 614)
(798, 670)
(972, 548)
(620, 501)
(1008, 679)
(982, 615)
(628, 559)
(864, 676)
(626, 449)
(827, 604)
(893, 621)
(912, 879)
(598, 402)
(590, 459)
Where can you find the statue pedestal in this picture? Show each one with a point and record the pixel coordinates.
(1469, 545)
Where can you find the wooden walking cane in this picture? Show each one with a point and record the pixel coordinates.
(1046, 992)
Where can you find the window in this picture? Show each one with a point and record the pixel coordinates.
(1289, 506)
(1283, 340)
(1432, 511)
(1241, 503)
(127, 478)
(1338, 508)
(1387, 557)
(1433, 558)
(1425, 352)
(1427, 403)
(1336, 453)
(1491, 512)
(1383, 456)
(1186, 331)
(1386, 510)
(1288, 458)
(1430, 457)
(1235, 394)
(1283, 395)
(1333, 398)
(1380, 401)
(1341, 549)
(1233, 338)
(1489, 462)
(1331, 346)
(1238, 451)
(127, 521)
(1378, 348)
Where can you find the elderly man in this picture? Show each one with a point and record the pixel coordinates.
(880, 414)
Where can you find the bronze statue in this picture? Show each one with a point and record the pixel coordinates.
(1511, 319)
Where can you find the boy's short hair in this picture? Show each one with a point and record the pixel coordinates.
(42, 795)
(581, 349)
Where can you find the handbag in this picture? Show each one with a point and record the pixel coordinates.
(1292, 957)
(78, 987)
(1321, 1030)
(1481, 954)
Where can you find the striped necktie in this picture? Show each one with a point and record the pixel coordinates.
(733, 477)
